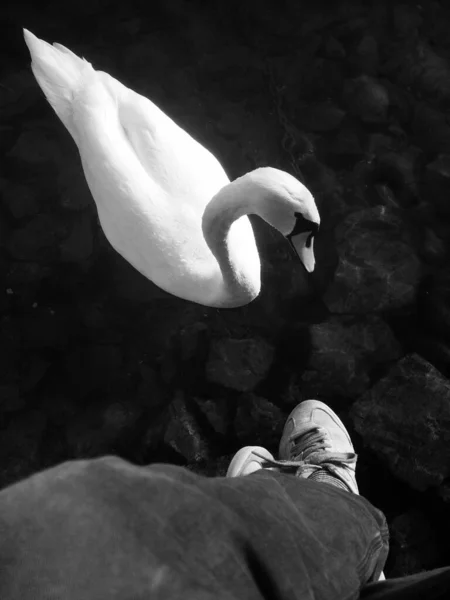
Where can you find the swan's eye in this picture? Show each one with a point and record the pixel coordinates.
(303, 225)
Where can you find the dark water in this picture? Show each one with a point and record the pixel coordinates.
(351, 98)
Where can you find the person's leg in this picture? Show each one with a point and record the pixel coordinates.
(107, 529)
(315, 445)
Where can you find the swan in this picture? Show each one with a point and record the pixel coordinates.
(164, 201)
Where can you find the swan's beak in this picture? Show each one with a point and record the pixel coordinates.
(303, 244)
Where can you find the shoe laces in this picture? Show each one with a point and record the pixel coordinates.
(316, 445)
(313, 450)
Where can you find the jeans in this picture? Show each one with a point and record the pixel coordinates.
(106, 529)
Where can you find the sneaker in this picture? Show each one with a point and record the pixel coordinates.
(248, 460)
(316, 443)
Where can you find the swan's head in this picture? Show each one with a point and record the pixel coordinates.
(289, 207)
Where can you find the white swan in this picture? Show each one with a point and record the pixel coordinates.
(164, 201)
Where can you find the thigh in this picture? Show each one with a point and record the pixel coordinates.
(107, 529)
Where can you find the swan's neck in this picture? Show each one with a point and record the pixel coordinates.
(231, 238)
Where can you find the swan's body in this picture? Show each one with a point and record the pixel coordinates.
(164, 201)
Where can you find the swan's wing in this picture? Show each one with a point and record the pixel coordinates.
(186, 170)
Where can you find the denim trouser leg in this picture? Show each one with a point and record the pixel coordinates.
(105, 529)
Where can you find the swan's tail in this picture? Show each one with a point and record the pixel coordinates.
(59, 72)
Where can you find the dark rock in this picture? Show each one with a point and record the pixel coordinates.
(320, 117)
(73, 189)
(323, 182)
(259, 422)
(180, 81)
(152, 331)
(333, 78)
(7, 138)
(104, 359)
(386, 196)
(129, 284)
(230, 124)
(60, 410)
(6, 300)
(367, 99)
(19, 93)
(94, 316)
(43, 328)
(434, 350)
(432, 73)
(36, 147)
(344, 352)
(24, 281)
(214, 467)
(367, 55)
(137, 57)
(334, 48)
(344, 144)
(119, 419)
(95, 367)
(437, 183)
(413, 544)
(405, 420)
(23, 435)
(444, 491)
(150, 392)
(246, 83)
(27, 273)
(217, 412)
(285, 286)
(191, 341)
(351, 25)
(436, 304)
(183, 433)
(378, 269)
(431, 130)
(400, 169)
(130, 26)
(419, 66)
(237, 69)
(84, 438)
(388, 179)
(101, 429)
(239, 364)
(185, 346)
(20, 446)
(257, 141)
(20, 200)
(407, 18)
(378, 143)
(434, 249)
(11, 328)
(10, 398)
(78, 246)
(401, 109)
(32, 372)
(37, 238)
(292, 394)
